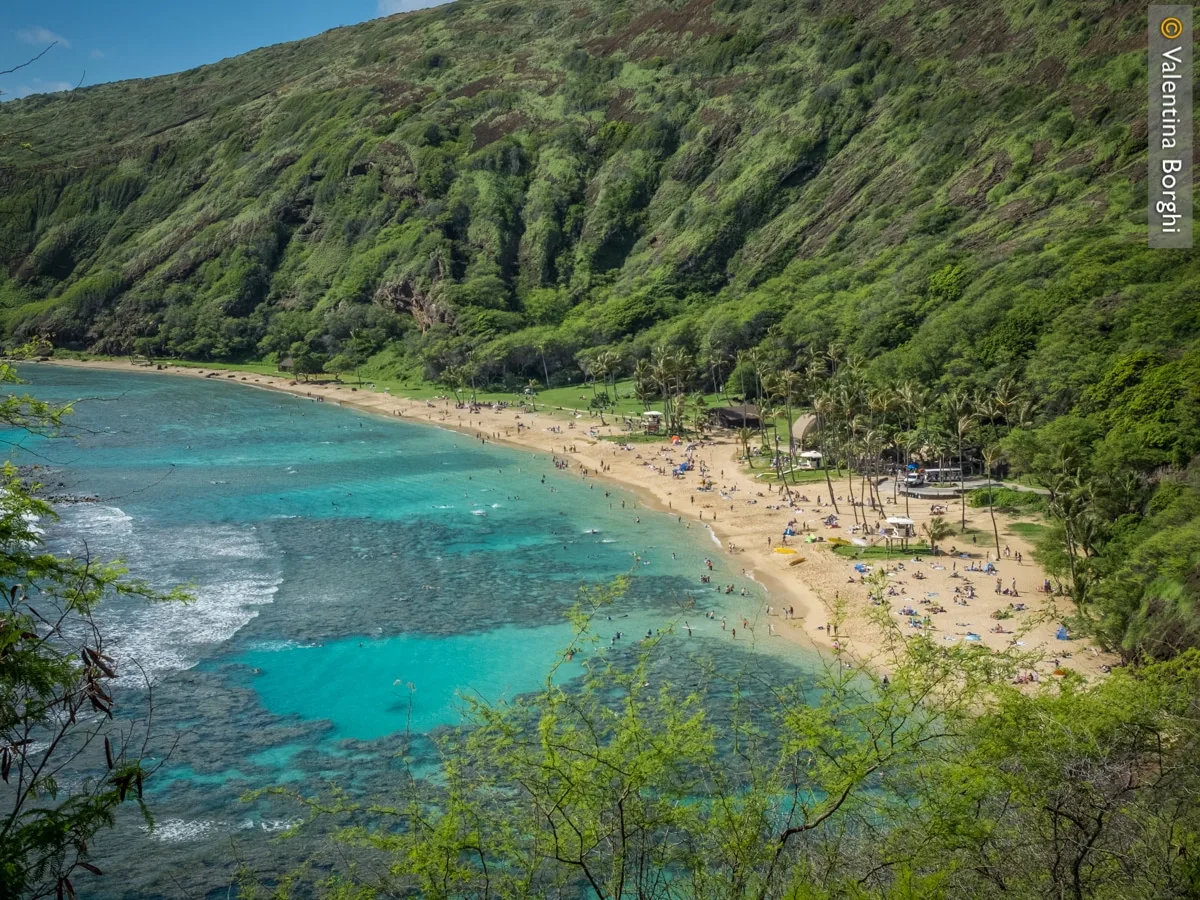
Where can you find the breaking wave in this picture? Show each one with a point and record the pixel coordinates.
(229, 568)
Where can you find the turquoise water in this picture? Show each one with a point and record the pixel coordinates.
(356, 578)
(370, 689)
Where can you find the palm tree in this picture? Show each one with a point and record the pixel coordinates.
(847, 399)
(776, 413)
(603, 366)
(671, 370)
(871, 445)
(823, 406)
(588, 363)
(699, 404)
(717, 358)
(545, 369)
(755, 359)
(937, 530)
(913, 401)
(643, 380)
(599, 371)
(990, 456)
(608, 365)
(912, 440)
(455, 378)
(791, 385)
(1024, 413)
(471, 373)
(1007, 397)
(880, 402)
(532, 388)
(960, 406)
(744, 435)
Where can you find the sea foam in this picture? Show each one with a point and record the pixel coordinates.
(230, 570)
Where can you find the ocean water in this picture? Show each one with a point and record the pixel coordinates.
(357, 578)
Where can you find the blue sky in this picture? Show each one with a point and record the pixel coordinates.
(109, 40)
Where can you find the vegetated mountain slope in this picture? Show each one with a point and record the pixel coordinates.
(860, 172)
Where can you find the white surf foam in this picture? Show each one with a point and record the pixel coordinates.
(173, 831)
(230, 568)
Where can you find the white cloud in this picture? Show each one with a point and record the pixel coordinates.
(40, 37)
(97, 54)
(37, 86)
(391, 7)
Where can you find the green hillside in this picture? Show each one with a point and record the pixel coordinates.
(952, 193)
(942, 183)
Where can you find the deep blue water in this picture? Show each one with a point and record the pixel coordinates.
(355, 576)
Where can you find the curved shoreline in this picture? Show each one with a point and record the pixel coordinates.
(444, 415)
(813, 589)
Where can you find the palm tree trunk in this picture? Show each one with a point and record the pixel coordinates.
(992, 509)
(850, 484)
(962, 483)
(825, 465)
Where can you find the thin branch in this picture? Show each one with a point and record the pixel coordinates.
(29, 61)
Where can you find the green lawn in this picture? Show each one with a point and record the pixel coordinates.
(1031, 531)
(850, 551)
(797, 478)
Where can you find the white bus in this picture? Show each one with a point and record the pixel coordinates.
(933, 476)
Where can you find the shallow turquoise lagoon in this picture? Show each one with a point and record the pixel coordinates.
(355, 576)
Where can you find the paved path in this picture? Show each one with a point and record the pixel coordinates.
(945, 491)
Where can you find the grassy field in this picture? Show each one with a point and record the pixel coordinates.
(915, 548)
(1030, 531)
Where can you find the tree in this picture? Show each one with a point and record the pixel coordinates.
(744, 435)
(992, 454)
(455, 378)
(699, 414)
(756, 360)
(66, 765)
(790, 385)
(352, 356)
(643, 382)
(824, 406)
(847, 397)
(938, 781)
(671, 371)
(961, 409)
(306, 361)
(937, 530)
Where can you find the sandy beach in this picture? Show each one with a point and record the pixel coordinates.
(807, 600)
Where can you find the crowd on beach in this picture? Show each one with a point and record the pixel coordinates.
(758, 520)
